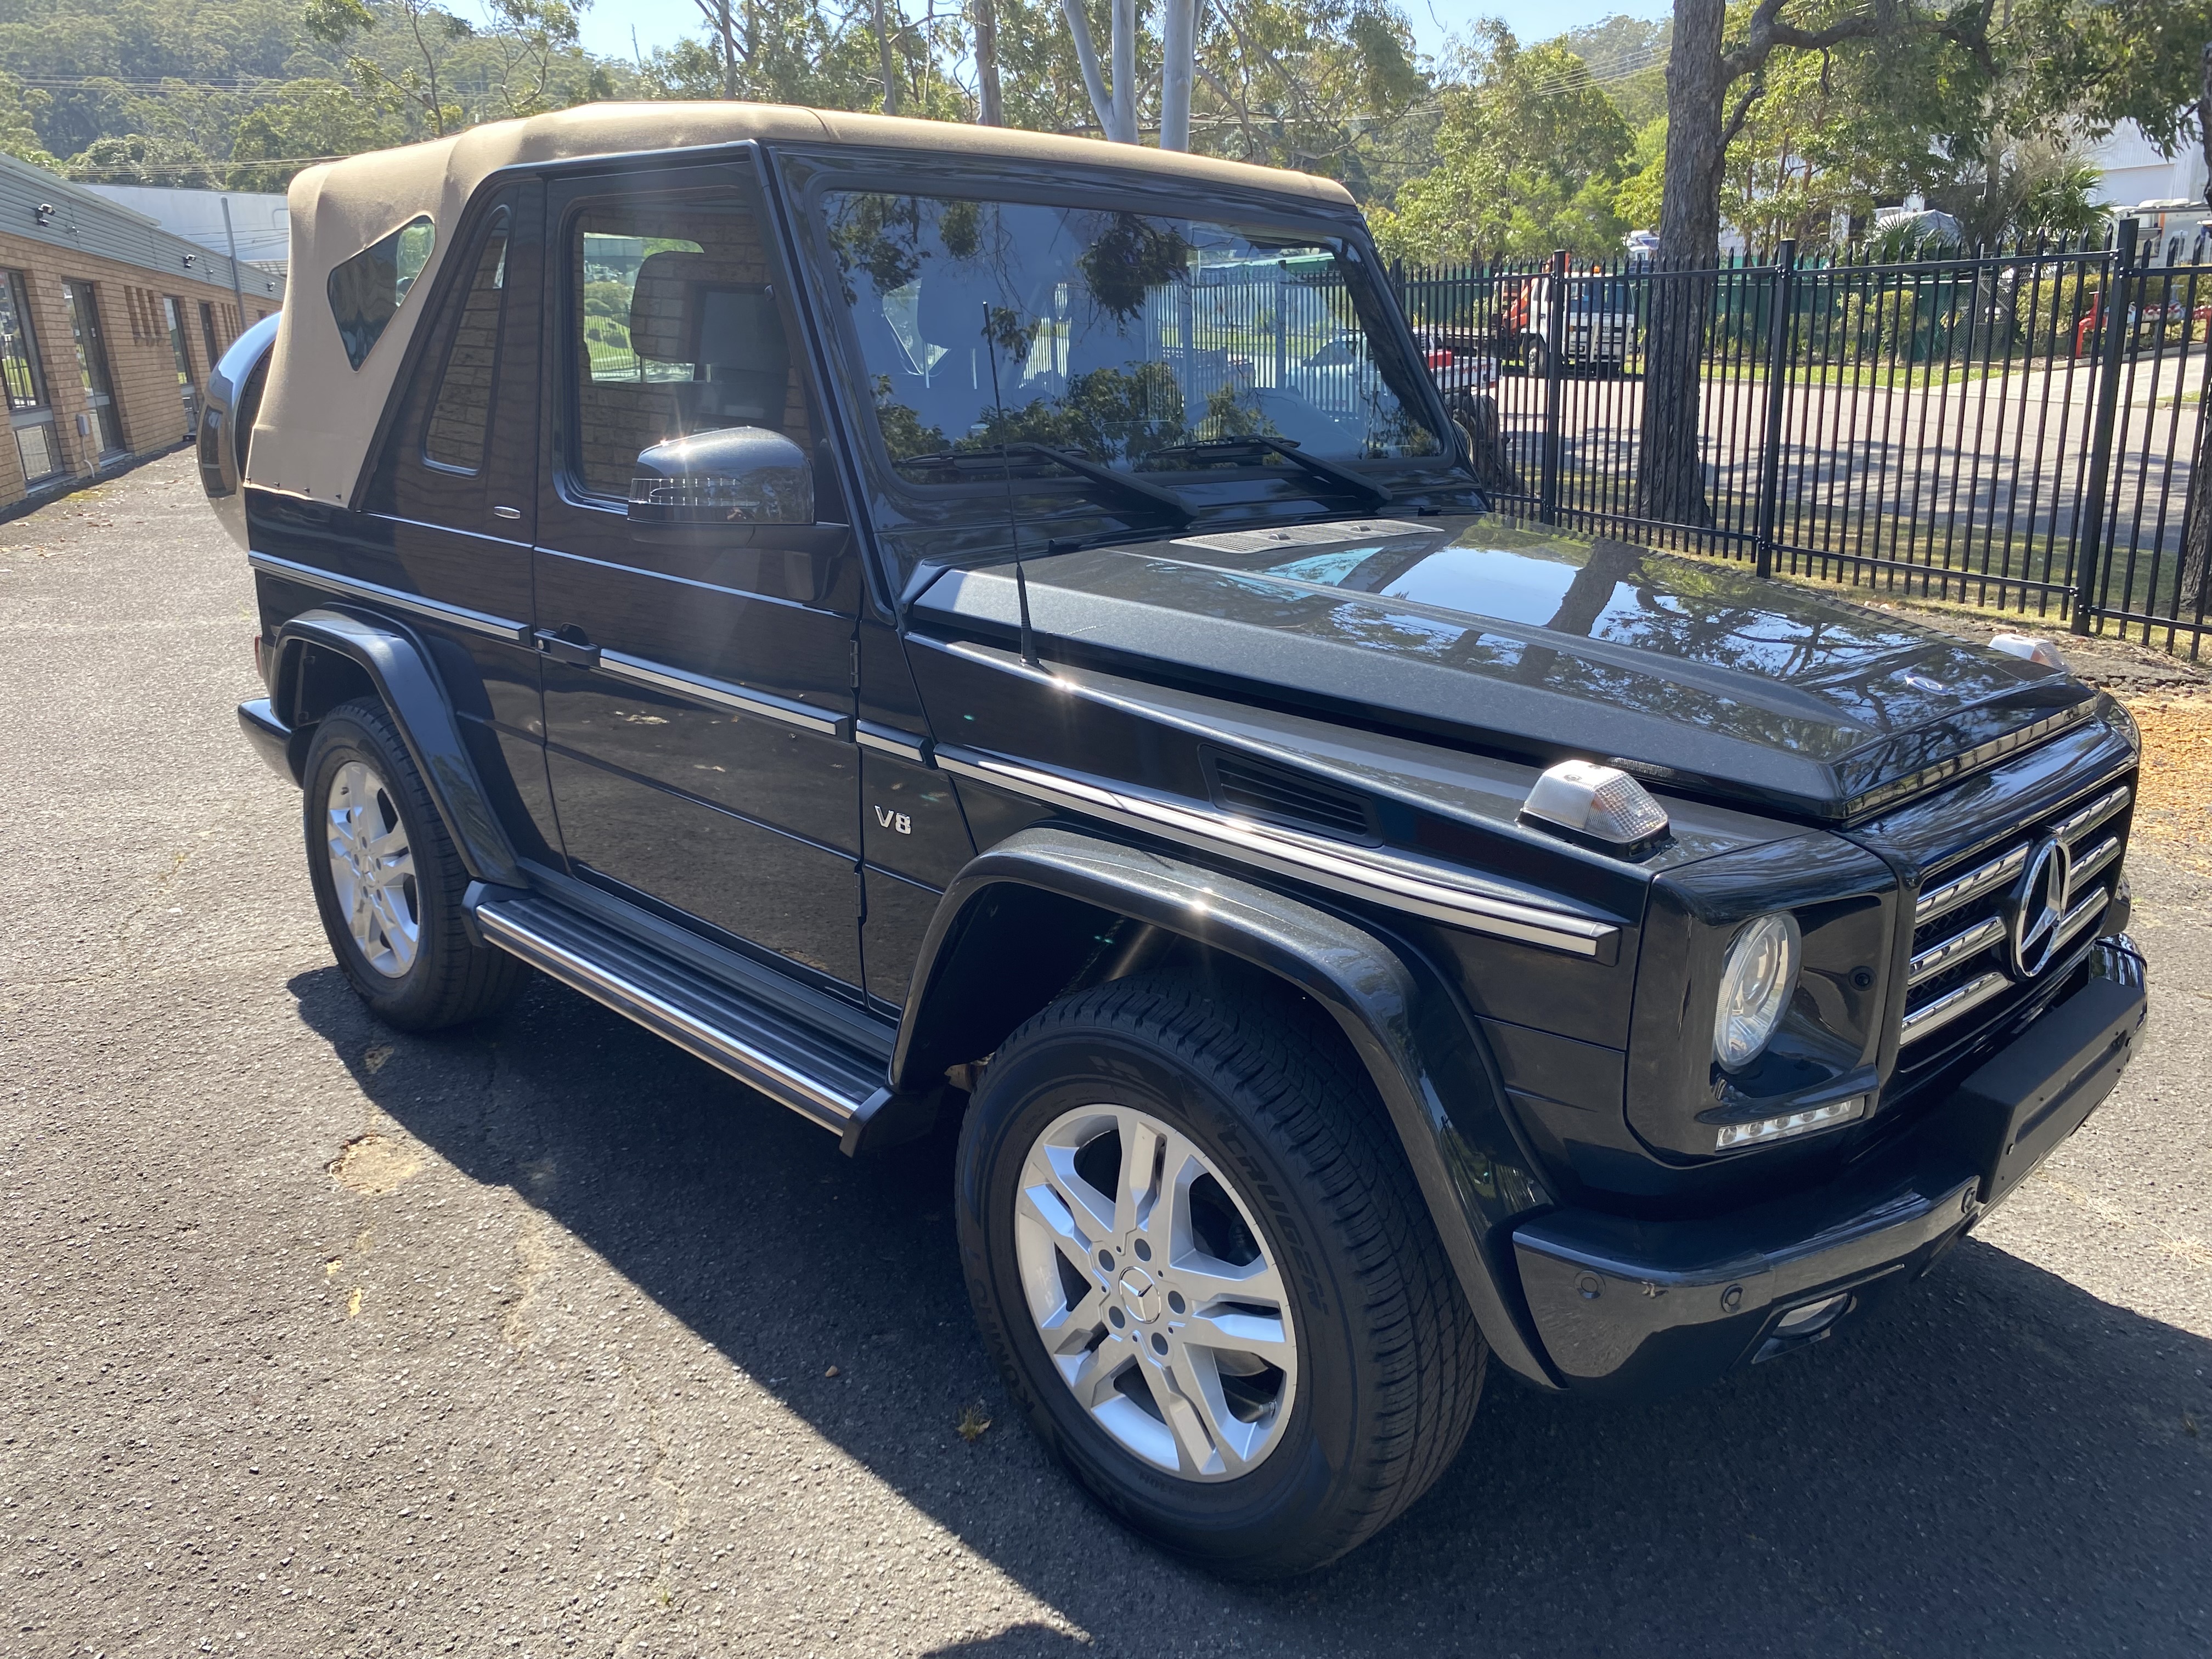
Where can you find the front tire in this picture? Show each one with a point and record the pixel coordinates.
(1206, 1276)
(387, 881)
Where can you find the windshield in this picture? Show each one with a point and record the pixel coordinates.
(1122, 338)
(1599, 296)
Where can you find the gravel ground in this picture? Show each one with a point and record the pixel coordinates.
(543, 1339)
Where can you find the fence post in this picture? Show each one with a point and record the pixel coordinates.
(1782, 300)
(2089, 521)
(1555, 340)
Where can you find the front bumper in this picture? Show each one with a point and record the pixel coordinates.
(1639, 1308)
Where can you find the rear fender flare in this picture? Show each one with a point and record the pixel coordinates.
(1406, 1028)
(399, 666)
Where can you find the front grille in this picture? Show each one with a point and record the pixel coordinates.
(1964, 976)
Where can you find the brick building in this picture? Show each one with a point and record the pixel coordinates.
(108, 326)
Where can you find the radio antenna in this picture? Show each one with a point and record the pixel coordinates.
(1013, 523)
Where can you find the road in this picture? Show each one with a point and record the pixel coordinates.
(1981, 475)
(323, 1341)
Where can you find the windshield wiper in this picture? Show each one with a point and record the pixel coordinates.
(1343, 477)
(1136, 490)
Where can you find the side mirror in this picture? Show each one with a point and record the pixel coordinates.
(738, 475)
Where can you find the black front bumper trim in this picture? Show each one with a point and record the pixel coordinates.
(270, 737)
(1640, 1309)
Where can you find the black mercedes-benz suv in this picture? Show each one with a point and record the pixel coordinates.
(963, 629)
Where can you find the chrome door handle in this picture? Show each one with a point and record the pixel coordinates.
(507, 513)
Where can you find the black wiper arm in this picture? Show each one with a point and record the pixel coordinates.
(1328, 471)
(1131, 489)
(1151, 495)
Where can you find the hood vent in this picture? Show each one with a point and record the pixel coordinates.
(1275, 794)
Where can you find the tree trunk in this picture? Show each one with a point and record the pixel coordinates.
(1094, 83)
(1178, 59)
(991, 110)
(1125, 69)
(883, 61)
(1670, 482)
(729, 50)
(2197, 518)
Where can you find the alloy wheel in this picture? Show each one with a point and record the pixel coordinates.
(1154, 1293)
(373, 870)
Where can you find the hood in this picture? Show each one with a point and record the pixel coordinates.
(1515, 638)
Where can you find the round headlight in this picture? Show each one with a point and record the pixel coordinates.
(1756, 983)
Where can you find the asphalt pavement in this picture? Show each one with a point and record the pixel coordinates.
(542, 1338)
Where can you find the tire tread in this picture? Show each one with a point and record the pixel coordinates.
(1322, 1109)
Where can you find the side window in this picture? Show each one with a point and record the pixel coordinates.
(677, 329)
(455, 436)
(367, 291)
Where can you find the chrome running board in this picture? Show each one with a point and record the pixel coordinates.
(839, 1089)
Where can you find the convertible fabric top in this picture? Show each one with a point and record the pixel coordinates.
(319, 413)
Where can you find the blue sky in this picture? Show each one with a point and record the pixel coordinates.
(608, 25)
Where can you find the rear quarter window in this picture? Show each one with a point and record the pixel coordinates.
(367, 291)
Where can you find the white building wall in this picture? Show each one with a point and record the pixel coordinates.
(2134, 171)
(258, 219)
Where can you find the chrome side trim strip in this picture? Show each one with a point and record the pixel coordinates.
(1936, 957)
(2080, 917)
(2073, 829)
(2088, 866)
(453, 615)
(807, 1096)
(891, 740)
(661, 677)
(1341, 872)
(1962, 999)
(1954, 893)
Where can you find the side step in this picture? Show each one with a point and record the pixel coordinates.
(841, 1090)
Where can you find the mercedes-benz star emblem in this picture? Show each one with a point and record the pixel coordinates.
(2039, 905)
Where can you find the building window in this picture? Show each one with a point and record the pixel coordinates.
(172, 315)
(82, 304)
(29, 411)
(207, 333)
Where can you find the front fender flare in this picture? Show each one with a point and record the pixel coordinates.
(399, 665)
(1437, 1082)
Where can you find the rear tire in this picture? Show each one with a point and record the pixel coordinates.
(387, 881)
(1322, 1401)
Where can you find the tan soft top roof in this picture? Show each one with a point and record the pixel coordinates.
(320, 415)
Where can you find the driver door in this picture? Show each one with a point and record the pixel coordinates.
(698, 677)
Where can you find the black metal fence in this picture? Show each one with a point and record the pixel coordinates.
(2018, 429)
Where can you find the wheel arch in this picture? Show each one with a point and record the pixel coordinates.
(331, 655)
(1045, 900)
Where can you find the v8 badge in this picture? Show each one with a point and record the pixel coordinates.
(885, 818)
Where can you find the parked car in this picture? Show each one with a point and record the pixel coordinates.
(812, 583)
(1454, 363)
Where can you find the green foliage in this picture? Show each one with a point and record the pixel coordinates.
(1627, 56)
(241, 92)
(1830, 133)
(138, 160)
(2102, 64)
(314, 117)
(1970, 116)
(19, 126)
(1325, 86)
(1531, 157)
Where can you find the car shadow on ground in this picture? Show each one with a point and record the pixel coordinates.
(1998, 1462)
